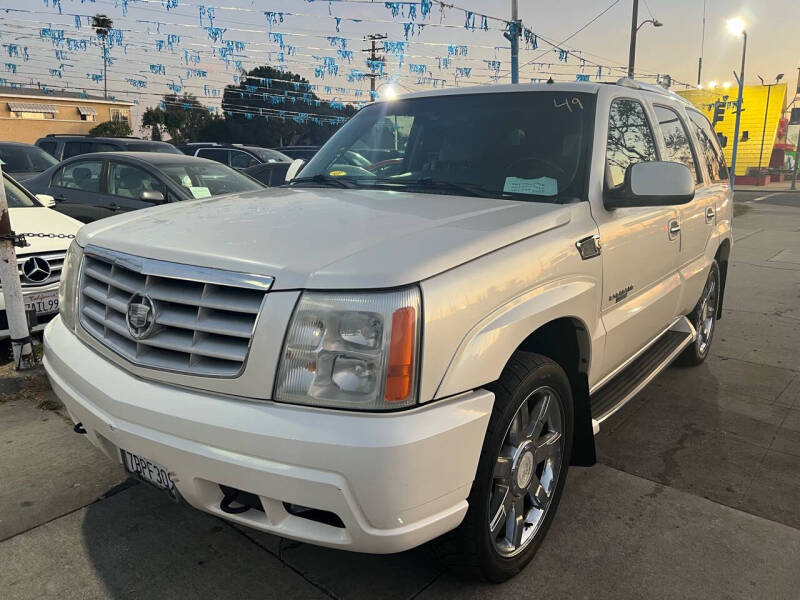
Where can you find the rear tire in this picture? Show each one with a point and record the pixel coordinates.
(704, 319)
(521, 471)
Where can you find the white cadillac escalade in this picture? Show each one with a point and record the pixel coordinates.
(372, 357)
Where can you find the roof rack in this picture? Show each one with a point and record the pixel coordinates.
(649, 87)
(89, 135)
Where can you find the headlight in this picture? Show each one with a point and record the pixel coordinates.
(352, 350)
(68, 288)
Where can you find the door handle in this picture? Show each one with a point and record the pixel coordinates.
(710, 214)
(674, 229)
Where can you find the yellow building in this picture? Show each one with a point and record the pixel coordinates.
(26, 114)
(754, 104)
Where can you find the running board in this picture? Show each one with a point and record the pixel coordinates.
(633, 378)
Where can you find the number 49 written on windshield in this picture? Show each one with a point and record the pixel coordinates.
(568, 104)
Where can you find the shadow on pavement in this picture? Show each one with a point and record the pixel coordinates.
(142, 545)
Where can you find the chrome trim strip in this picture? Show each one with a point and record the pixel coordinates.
(663, 365)
(172, 270)
(676, 324)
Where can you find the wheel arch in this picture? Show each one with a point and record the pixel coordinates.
(567, 342)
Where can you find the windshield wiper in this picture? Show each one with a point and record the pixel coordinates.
(321, 179)
(468, 189)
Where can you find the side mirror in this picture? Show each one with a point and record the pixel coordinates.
(722, 139)
(153, 196)
(653, 184)
(46, 199)
(294, 169)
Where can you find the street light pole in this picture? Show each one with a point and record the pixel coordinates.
(732, 25)
(634, 30)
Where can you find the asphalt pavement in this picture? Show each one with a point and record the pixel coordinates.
(696, 494)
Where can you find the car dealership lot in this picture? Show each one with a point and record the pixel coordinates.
(696, 493)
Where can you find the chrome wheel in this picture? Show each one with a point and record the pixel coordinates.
(706, 315)
(526, 472)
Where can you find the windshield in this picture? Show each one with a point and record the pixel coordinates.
(205, 180)
(516, 145)
(23, 159)
(270, 156)
(16, 197)
(151, 147)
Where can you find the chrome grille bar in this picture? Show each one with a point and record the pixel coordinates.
(203, 318)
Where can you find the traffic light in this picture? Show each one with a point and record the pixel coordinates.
(719, 112)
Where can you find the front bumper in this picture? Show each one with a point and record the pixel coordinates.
(395, 480)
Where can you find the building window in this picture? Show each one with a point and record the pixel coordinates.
(31, 110)
(33, 115)
(87, 113)
(121, 114)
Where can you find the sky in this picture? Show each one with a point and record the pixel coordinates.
(587, 38)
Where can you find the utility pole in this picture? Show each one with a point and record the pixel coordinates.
(12, 290)
(512, 35)
(634, 29)
(102, 25)
(373, 56)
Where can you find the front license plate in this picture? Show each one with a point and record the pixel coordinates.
(149, 472)
(44, 303)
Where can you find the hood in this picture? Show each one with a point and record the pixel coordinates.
(327, 238)
(38, 219)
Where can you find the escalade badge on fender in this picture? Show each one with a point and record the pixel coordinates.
(140, 316)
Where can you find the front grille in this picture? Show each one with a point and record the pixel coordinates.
(203, 318)
(41, 273)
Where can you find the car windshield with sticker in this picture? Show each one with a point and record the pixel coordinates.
(527, 145)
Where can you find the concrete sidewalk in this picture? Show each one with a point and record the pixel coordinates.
(697, 493)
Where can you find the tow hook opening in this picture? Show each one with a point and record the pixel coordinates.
(236, 502)
(79, 428)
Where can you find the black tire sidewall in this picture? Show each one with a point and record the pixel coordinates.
(547, 373)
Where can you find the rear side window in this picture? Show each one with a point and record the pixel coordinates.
(75, 148)
(101, 147)
(708, 147)
(221, 156)
(242, 160)
(630, 139)
(81, 175)
(676, 140)
(49, 147)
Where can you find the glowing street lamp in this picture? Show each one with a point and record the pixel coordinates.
(736, 26)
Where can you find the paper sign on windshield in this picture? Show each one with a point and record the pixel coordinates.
(541, 186)
(200, 192)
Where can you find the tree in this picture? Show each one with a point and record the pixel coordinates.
(153, 118)
(252, 107)
(112, 129)
(182, 117)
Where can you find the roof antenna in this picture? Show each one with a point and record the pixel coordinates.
(550, 81)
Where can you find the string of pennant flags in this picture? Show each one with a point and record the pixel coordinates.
(190, 45)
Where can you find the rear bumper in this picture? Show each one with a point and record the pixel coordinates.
(395, 480)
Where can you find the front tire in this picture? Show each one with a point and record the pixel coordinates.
(521, 471)
(704, 319)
